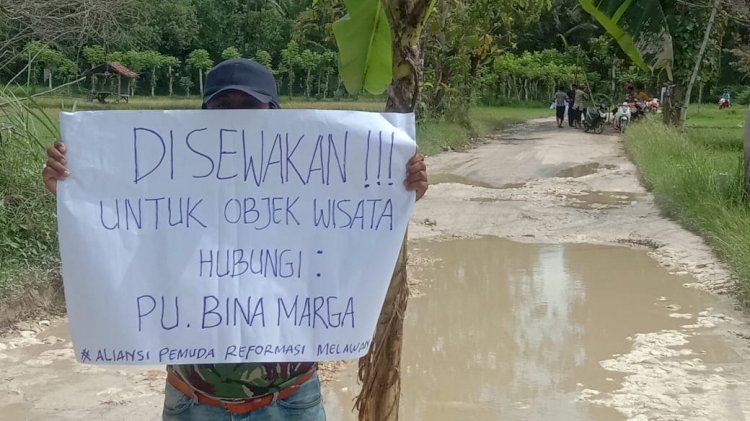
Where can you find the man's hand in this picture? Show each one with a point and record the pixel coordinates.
(54, 169)
(416, 175)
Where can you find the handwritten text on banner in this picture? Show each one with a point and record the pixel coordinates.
(214, 236)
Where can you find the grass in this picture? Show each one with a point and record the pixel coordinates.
(697, 179)
(28, 240)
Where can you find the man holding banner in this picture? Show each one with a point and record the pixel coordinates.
(262, 389)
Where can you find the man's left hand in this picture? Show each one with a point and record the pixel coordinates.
(416, 175)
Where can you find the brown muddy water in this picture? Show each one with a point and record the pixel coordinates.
(510, 331)
(451, 178)
(603, 199)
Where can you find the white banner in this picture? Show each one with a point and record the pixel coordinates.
(215, 236)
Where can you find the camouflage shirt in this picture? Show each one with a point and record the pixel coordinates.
(240, 381)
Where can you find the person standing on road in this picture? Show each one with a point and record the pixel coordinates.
(561, 102)
(242, 391)
(571, 100)
(579, 105)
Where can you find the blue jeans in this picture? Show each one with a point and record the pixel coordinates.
(304, 405)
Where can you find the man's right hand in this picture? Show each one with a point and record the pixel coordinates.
(55, 169)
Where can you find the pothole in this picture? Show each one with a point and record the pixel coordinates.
(602, 200)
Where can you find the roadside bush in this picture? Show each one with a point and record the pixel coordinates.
(28, 235)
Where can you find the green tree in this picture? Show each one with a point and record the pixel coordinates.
(152, 61)
(264, 58)
(222, 24)
(135, 61)
(230, 53)
(640, 27)
(169, 26)
(249, 25)
(461, 41)
(308, 61)
(314, 25)
(94, 54)
(290, 60)
(199, 60)
(565, 24)
(34, 51)
(530, 76)
(54, 62)
(327, 67)
(171, 62)
(186, 82)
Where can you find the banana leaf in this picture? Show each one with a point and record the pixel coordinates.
(364, 40)
(639, 27)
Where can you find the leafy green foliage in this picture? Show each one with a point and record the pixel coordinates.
(52, 60)
(152, 60)
(264, 58)
(28, 241)
(230, 53)
(290, 60)
(94, 54)
(187, 84)
(462, 40)
(741, 61)
(688, 26)
(639, 27)
(531, 76)
(199, 60)
(364, 40)
(172, 25)
(314, 25)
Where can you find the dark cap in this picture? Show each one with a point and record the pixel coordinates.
(241, 74)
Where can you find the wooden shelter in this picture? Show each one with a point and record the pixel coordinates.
(106, 81)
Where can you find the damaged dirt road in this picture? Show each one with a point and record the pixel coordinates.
(546, 286)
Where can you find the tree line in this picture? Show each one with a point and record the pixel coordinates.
(480, 50)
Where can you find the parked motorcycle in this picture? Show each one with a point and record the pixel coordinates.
(622, 116)
(637, 110)
(595, 120)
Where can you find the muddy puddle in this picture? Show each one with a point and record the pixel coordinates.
(457, 179)
(511, 331)
(582, 170)
(603, 199)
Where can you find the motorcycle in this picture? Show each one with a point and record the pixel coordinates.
(622, 116)
(595, 120)
(637, 110)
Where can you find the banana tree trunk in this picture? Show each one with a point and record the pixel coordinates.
(379, 370)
